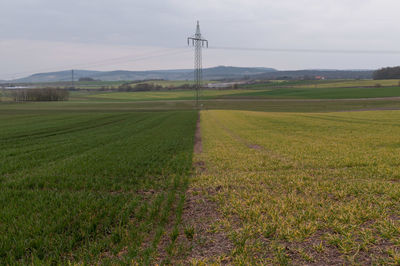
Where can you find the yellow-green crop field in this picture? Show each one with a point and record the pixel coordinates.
(301, 188)
(351, 83)
(166, 95)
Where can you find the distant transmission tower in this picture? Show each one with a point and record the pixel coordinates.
(198, 42)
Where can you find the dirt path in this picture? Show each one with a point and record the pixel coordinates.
(198, 239)
(198, 145)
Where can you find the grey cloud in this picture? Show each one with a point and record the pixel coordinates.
(321, 24)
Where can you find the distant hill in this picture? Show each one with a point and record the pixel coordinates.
(55, 76)
(214, 73)
(220, 72)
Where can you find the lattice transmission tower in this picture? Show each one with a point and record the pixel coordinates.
(198, 42)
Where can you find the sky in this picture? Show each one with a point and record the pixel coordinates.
(52, 35)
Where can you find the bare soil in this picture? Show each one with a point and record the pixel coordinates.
(197, 238)
(198, 146)
(206, 244)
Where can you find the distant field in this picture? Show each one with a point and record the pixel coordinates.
(91, 187)
(355, 83)
(310, 92)
(158, 95)
(324, 84)
(270, 93)
(296, 188)
(265, 105)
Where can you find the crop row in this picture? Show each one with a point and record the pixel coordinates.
(90, 186)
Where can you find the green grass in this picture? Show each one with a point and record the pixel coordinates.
(300, 188)
(320, 93)
(324, 84)
(267, 105)
(353, 83)
(90, 187)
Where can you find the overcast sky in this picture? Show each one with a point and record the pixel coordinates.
(52, 35)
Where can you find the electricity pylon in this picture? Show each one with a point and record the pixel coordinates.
(198, 42)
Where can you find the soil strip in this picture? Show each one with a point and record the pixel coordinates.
(198, 146)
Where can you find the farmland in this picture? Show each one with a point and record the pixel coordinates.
(90, 187)
(300, 188)
(326, 83)
(158, 95)
(274, 90)
(283, 175)
(320, 93)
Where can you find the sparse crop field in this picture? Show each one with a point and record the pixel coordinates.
(298, 188)
(91, 187)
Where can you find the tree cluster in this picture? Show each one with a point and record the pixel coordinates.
(149, 87)
(86, 79)
(37, 95)
(139, 87)
(387, 73)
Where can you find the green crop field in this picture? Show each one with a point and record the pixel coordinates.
(248, 94)
(311, 92)
(91, 187)
(324, 84)
(300, 188)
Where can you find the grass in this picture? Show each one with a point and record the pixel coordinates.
(255, 92)
(267, 105)
(320, 93)
(354, 83)
(321, 84)
(156, 95)
(304, 188)
(90, 187)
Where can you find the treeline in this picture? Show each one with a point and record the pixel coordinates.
(311, 74)
(128, 87)
(387, 73)
(38, 95)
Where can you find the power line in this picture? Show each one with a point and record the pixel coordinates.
(301, 50)
(173, 51)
